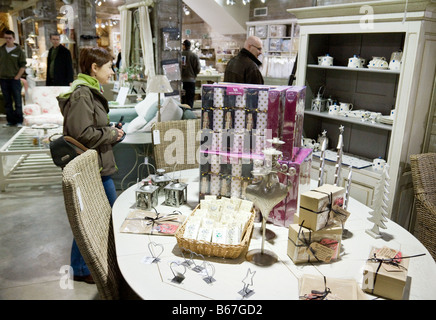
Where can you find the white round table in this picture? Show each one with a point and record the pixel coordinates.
(276, 282)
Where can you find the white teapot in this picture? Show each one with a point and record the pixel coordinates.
(356, 62)
(326, 60)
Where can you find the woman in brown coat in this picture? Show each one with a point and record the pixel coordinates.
(85, 112)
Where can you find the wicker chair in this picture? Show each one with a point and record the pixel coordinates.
(167, 153)
(90, 217)
(424, 185)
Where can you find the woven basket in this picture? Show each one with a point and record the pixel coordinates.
(178, 145)
(215, 249)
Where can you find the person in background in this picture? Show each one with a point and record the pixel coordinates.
(190, 70)
(59, 64)
(85, 112)
(244, 68)
(12, 66)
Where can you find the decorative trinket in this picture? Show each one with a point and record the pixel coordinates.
(146, 196)
(176, 194)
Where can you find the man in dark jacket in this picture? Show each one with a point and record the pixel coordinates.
(244, 68)
(12, 66)
(59, 64)
(190, 69)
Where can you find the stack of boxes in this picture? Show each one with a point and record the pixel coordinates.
(317, 235)
(236, 123)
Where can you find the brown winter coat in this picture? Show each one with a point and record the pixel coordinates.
(86, 119)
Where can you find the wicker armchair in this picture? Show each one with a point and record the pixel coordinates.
(171, 155)
(424, 185)
(90, 217)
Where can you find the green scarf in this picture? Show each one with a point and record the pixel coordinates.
(82, 80)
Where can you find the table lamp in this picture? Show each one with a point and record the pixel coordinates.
(159, 84)
(65, 40)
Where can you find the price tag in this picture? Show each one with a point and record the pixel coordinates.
(156, 137)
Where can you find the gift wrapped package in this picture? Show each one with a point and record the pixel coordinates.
(283, 213)
(385, 273)
(318, 206)
(149, 222)
(305, 245)
(317, 287)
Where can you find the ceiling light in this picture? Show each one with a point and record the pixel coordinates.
(186, 10)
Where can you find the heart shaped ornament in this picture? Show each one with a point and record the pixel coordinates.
(178, 270)
(209, 272)
(156, 249)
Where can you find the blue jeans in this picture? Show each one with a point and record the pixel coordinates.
(11, 90)
(77, 262)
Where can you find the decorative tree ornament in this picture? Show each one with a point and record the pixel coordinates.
(379, 211)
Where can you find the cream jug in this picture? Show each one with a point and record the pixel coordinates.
(344, 107)
(326, 60)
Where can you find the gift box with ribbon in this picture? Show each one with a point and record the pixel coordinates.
(317, 287)
(322, 207)
(305, 245)
(151, 222)
(385, 273)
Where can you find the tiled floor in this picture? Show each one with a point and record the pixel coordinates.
(35, 242)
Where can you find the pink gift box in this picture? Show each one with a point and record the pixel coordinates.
(260, 112)
(283, 213)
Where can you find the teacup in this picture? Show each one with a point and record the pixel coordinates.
(334, 110)
(378, 164)
(355, 62)
(308, 142)
(395, 62)
(344, 107)
(326, 60)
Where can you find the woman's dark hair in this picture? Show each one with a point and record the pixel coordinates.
(91, 55)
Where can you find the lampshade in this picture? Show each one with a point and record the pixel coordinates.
(159, 84)
(65, 39)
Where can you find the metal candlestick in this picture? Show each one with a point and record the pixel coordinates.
(322, 159)
(266, 192)
(347, 190)
(338, 165)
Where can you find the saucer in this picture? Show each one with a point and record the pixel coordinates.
(386, 120)
(377, 68)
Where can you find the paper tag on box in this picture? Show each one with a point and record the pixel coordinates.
(389, 253)
(322, 253)
(234, 91)
(156, 137)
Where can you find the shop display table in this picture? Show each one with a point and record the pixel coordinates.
(25, 158)
(276, 282)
